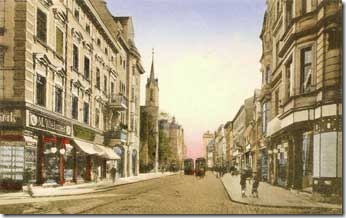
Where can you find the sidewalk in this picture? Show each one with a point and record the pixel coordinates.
(270, 195)
(78, 189)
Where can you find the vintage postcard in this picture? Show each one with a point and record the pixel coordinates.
(171, 107)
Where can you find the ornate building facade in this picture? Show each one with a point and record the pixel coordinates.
(68, 71)
(302, 94)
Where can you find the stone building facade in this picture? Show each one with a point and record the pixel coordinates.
(67, 72)
(207, 137)
(302, 93)
(173, 133)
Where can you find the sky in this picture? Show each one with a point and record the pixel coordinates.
(206, 57)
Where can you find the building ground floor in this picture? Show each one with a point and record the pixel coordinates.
(49, 150)
(305, 153)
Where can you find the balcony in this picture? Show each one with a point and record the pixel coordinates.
(116, 137)
(118, 102)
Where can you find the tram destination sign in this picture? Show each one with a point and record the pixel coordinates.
(43, 122)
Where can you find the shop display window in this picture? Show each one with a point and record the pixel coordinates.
(11, 163)
(51, 163)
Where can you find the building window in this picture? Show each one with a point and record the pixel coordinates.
(41, 90)
(76, 14)
(86, 67)
(97, 118)
(58, 100)
(98, 78)
(98, 42)
(75, 107)
(59, 42)
(277, 49)
(289, 70)
(267, 75)
(112, 88)
(276, 108)
(75, 58)
(87, 28)
(105, 84)
(86, 112)
(106, 51)
(151, 95)
(306, 6)
(41, 26)
(289, 12)
(265, 111)
(306, 63)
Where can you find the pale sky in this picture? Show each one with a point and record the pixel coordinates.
(206, 57)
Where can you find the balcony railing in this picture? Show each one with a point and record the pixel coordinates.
(118, 102)
(117, 137)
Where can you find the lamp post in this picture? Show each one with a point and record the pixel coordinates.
(156, 151)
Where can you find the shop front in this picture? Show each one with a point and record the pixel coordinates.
(17, 150)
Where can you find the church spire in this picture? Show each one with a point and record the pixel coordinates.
(152, 78)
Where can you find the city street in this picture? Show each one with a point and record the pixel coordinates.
(178, 194)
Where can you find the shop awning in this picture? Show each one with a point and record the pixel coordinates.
(108, 153)
(86, 147)
(98, 150)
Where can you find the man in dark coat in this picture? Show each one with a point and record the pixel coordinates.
(113, 173)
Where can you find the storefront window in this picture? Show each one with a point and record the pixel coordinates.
(11, 163)
(51, 163)
(307, 154)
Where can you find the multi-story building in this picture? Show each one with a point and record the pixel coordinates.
(238, 139)
(64, 85)
(228, 130)
(207, 137)
(210, 153)
(172, 140)
(302, 93)
(220, 147)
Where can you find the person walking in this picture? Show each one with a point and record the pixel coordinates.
(243, 184)
(113, 173)
(255, 185)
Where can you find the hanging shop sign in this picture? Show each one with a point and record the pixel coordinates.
(10, 117)
(46, 123)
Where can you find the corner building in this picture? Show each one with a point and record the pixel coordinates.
(301, 94)
(69, 77)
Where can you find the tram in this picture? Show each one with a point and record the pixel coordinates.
(200, 167)
(188, 166)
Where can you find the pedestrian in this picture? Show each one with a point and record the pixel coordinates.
(243, 183)
(255, 186)
(113, 173)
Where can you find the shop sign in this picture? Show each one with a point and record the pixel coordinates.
(83, 133)
(10, 117)
(41, 122)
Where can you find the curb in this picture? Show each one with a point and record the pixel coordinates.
(275, 206)
(111, 187)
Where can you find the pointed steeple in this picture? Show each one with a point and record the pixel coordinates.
(152, 77)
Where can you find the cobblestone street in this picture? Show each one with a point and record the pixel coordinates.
(168, 195)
